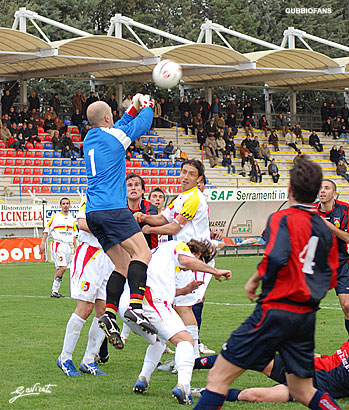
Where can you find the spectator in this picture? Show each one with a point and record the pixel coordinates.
(76, 101)
(246, 167)
(183, 107)
(232, 108)
(51, 111)
(273, 171)
(290, 140)
(34, 102)
(13, 115)
(280, 124)
(170, 109)
(59, 125)
(255, 147)
(56, 104)
(328, 129)
(170, 151)
(314, 141)
(112, 104)
(248, 125)
(343, 132)
(5, 133)
(221, 146)
(264, 126)
(211, 129)
(195, 107)
(148, 153)
(197, 122)
(264, 153)
(23, 116)
(205, 113)
(163, 106)
(91, 99)
(334, 155)
(231, 122)
(248, 142)
(138, 145)
(221, 123)
(227, 163)
(324, 112)
(216, 110)
(32, 133)
(336, 125)
(245, 154)
(298, 132)
(230, 144)
(76, 119)
(67, 152)
(247, 111)
(342, 170)
(211, 155)
(213, 141)
(115, 116)
(14, 128)
(6, 120)
(68, 144)
(19, 143)
(84, 105)
(156, 114)
(342, 154)
(332, 112)
(34, 116)
(201, 136)
(84, 131)
(345, 113)
(6, 102)
(186, 123)
(256, 174)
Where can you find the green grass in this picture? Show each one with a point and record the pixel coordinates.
(33, 327)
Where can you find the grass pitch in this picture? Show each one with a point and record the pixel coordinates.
(33, 327)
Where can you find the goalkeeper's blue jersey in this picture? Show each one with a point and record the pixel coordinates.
(105, 151)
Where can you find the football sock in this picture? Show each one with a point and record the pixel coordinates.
(232, 394)
(210, 401)
(95, 339)
(56, 283)
(184, 358)
(194, 333)
(125, 331)
(347, 325)
(322, 401)
(151, 359)
(206, 362)
(103, 351)
(115, 287)
(72, 333)
(197, 310)
(137, 277)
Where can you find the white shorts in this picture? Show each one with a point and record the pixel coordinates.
(185, 277)
(61, 253)
(90, 272)
(165, 319)
(123, 305)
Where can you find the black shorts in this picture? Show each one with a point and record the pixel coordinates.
(112, 227)
(254, 343)
(343, 279)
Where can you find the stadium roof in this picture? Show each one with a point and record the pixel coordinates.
(24, 56)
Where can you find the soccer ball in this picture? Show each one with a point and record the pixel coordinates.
(167, 74)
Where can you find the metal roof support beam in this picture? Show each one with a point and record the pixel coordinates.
(208, 26)
(117, 21)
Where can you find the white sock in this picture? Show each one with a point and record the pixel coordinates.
(72, 333)
(151, 359)
(194, 333)
(95, 340)
(184, 358)
(125, 331)
(56, 283)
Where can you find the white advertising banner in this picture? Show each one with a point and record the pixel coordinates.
(21, 216)
(51, 209)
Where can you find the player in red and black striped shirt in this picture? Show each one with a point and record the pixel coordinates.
(299, 266)
(335, 214)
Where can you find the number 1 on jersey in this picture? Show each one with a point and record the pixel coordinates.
(91, 154)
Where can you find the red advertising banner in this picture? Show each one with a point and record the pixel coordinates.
(20, 250)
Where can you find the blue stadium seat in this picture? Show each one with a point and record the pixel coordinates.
(178, 164)
(55, 180)
(74, 163)
(48, 154)
(178, 172)
(65, 163)
(74, 181)
(153, 164)
(161, 147)
(169, 164)
(82, 163)
(65, 180)
(56, 154)
(65, 171)
(82, 189)
(160, 139)
(46, 180)
(82, 171)
(74, 171)
(144, 164)
(73, 189)
(56, 171)
(56, 163)
(171, 172)
(66, 121)
(144, 140)
(54, 189)
(46, 171)
(48, 145)
(64, 189)
(134, 154)
(83, 180)
(155, 147)
(151, 139)
(161, 164)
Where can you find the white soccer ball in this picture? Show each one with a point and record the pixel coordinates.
(167, 74)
